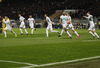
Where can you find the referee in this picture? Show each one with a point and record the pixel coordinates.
(0, 24)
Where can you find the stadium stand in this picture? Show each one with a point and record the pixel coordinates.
(38, 8)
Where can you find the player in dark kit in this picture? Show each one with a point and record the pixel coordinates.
(0, 24)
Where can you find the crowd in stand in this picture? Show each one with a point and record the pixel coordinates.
(38, 8)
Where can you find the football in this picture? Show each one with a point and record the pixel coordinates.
(69, 22)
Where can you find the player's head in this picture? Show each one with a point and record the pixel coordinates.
(68, 14)
(19, 15)
(30, 16)
(88, 13)
(63, 13)
(45, 15)
(6, 17)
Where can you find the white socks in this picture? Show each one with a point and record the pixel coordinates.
(21, 30)
(68, 33)
(14, 33)
(96, 34)
(91, 33)
(62, 31)
(32, 31)
(47, 32)
(26, 31)
(5, 33)
(76, 33)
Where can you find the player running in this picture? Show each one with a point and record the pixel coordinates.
(69, 20)
(8, 27)
(31, 22)
(63, 21)
(49, 25)
(92, 25)
(22, 25)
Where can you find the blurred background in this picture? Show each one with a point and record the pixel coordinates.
(54, 8)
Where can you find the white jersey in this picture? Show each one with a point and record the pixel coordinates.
(90, 18)
(31, 21)
(22, 19)
(48, 21)
(63, 19)
(7, 23)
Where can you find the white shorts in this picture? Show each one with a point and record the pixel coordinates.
(8, 28)
(64, 25)
(31, 25)
(22, 25)
(92, 27)
(70, 26)
(49, 27)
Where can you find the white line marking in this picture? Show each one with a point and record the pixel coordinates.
(29, 64)
(89, 40)
(49, 64)
(63, 62)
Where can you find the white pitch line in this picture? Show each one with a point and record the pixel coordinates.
(89, 40)
(63, 62)
(18, 62)
(49, 64)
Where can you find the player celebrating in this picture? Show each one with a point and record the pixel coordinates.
(31, 22)
(63, 21)
(49, 25)
(8, 27)
(70, 24)
(92, 25)
(22, 25)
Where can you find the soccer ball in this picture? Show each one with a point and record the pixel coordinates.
(69, 22)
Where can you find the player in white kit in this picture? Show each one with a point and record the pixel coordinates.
(31, 22)
(8, 27)
(92, 25)
(70, 25)
(22, 25)
(49, 25)
(63, 21)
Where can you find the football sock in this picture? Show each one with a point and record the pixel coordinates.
(96, 34)
(26, 31)
(32, 31)
(62, 31)
(21, 31)
(47, 33)
(91, 33)
(68, 33)
(14, 33)
(76, 33)
(5, 33)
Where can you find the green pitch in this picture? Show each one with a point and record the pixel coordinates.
(37, 49)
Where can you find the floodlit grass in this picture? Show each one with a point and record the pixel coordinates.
(37, 49)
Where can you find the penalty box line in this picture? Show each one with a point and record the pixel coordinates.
(29, 64)
(49, 64)
(63, 62)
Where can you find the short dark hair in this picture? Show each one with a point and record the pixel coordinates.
(88, 12)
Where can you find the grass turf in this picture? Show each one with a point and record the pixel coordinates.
(37, 49)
